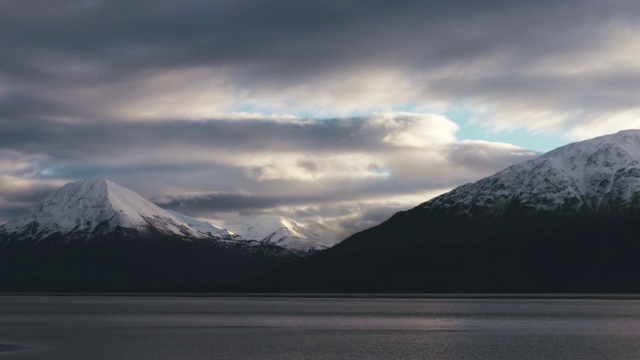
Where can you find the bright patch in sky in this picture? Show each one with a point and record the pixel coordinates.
(536, 141)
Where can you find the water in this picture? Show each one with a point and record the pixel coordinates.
(141, 328)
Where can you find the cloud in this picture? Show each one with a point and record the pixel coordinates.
(542, 66)
(322, 110)
(221, 202)
(18, 194)
(226, 168)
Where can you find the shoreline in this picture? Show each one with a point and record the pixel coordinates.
(445, 296)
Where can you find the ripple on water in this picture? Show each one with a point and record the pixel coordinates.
(10, 347)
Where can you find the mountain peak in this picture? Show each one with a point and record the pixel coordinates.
(96, 235)
(97, 206)
(590, 176)
(626, 140)
(92, 208)
(282, 231)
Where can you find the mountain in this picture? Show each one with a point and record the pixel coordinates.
(97, 235)
(90, 209)
(567, 221)
(282, 231)
(206, 227)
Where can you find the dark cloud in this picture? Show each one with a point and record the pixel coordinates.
(8, 213)
(230, 202)
(16, 201)
(16, 106)
(113, 137)
(29, 195)
(132, 36)
(212, 203)
(487, 53)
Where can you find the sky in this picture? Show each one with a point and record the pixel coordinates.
(338, 112)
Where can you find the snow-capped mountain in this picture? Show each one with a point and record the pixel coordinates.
(567, 221)
(281, 231)
(204, 226)
(92, 208)
(596, 176)
(95, 235)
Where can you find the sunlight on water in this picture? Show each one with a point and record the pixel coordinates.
(253, 328)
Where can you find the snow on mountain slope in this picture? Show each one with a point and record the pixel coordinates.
(95, 207)
(281, 231)
(595, 176)
(92, 208)
(203, 226)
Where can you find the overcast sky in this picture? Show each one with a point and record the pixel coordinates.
(341, 112)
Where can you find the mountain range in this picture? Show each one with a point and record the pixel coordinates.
(285, 232)
(567, 221)
(98, 235)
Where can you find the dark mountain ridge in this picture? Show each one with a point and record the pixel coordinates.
(567, 221)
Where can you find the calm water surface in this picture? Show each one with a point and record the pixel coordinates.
(123, 328)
